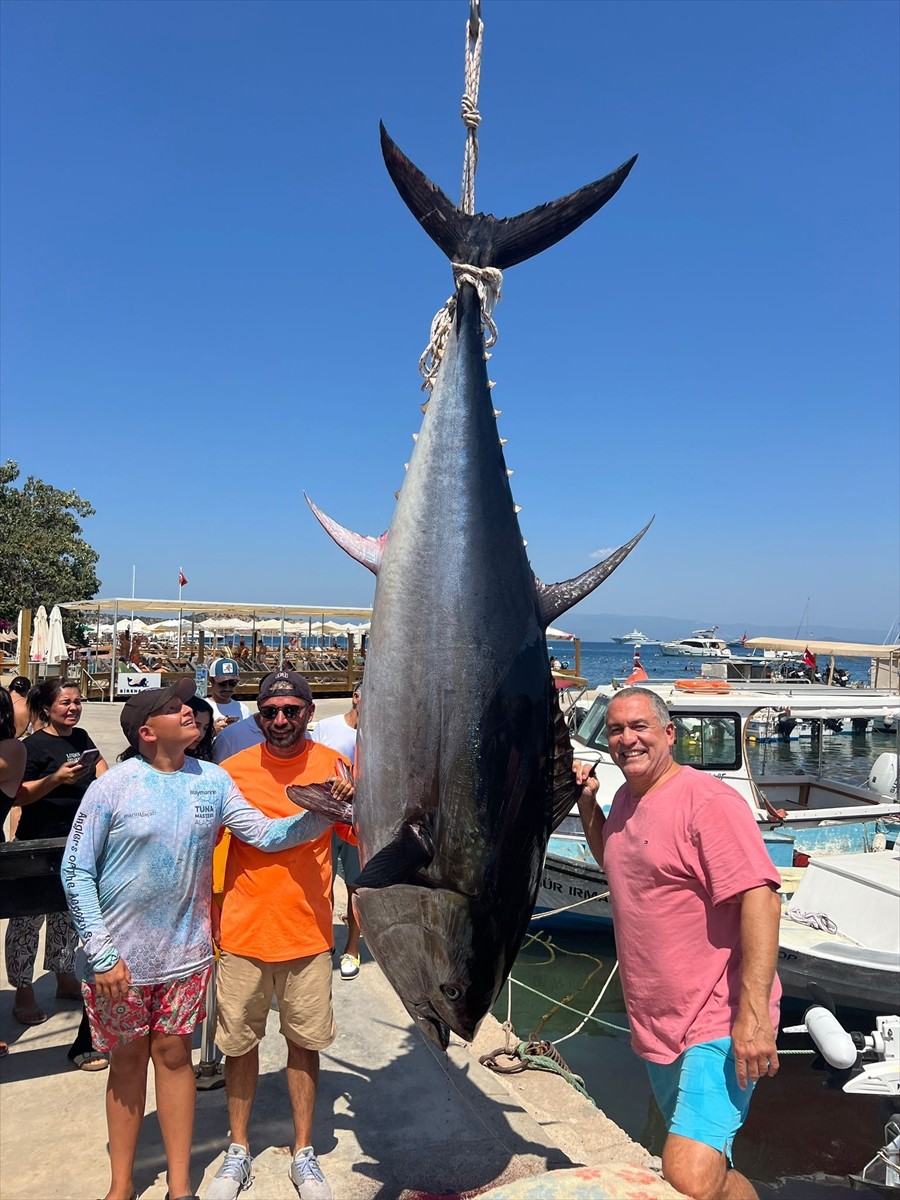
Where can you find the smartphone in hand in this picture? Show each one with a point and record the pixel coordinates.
(89, 758)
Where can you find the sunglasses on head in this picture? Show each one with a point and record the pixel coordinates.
(271, 711)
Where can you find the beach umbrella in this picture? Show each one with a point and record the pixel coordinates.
(558, 635)
(127, 625)
(40, 636)
(56, 642)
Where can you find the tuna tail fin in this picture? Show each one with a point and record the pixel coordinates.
(486, 241)
(556, 598)
(366, 550)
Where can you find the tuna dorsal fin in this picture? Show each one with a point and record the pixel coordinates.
(556, 598)
(366, 550)
(398, 861)
(486, 241)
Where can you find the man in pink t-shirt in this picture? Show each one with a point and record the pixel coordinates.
(696, 910)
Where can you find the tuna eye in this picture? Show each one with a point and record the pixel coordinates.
(451, 992)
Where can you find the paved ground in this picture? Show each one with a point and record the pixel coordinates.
(394, 1120)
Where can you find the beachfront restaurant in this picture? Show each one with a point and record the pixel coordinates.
(137, 643)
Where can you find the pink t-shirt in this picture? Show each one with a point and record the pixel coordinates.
(677, 862)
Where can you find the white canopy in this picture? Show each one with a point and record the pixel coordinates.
(828, 648)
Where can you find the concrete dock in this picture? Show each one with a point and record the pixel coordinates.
(395, 1120)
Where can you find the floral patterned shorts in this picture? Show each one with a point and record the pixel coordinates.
(175, 1008)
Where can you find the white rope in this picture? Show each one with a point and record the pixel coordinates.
(553, 912)
(471, 116)
(593, 1008)
(488, 282)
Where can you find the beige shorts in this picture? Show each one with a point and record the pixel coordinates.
(245, 990)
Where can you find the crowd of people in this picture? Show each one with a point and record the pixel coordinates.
(197, 809)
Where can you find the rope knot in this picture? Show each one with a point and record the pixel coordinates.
(488, 282)
(469, 112)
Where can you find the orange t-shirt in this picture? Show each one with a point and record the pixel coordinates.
(277, 907)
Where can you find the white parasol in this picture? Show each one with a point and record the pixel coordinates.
(57, 650)
(40, 636)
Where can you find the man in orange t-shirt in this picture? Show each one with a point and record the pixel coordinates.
(276, 936)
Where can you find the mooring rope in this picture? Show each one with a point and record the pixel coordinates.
(553, 912)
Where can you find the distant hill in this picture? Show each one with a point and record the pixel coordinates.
(603, 627)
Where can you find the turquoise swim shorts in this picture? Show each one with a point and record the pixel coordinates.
(698, 1094)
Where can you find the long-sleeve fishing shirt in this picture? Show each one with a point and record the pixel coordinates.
(137, 867)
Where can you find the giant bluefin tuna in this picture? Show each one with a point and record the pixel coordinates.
(463, 762)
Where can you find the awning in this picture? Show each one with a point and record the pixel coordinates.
(130, 604)
(835, 649)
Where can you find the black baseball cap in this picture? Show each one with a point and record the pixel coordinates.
(284, 683)
(138, 708)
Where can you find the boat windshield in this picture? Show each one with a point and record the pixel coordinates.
(592, 730)
(709, 741)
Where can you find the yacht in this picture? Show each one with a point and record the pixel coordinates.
(702, 643)
(636, 638)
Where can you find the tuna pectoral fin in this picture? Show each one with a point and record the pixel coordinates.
(556, 598)
(398, 861)
(366, 550)
(565, 790)
(317, 798)
(486, 241)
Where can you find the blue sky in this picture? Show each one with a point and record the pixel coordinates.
(213, 299)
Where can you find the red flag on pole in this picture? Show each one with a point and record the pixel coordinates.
(638, 674)
(182, 580)
(809, 658)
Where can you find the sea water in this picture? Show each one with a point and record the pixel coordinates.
(801, 1137)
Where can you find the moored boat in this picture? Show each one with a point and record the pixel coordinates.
(800, 815)
(702, 643)
(841, 930)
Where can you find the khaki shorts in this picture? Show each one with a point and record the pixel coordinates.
(245, 990)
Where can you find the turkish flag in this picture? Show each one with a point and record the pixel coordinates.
(182, 580)
(809, 658)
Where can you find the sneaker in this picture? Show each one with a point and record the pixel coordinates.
(349, 966)
(307, 1177)
(234, 1175)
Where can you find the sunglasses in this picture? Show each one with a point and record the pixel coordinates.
(270, 712)
(226, 682)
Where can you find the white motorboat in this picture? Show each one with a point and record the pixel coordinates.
(702, 643)
(841, 930)
(799, 815)
(636, 638)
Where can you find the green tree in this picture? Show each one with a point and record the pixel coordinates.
(43, 557)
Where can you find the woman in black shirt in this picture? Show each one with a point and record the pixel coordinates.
(56, 778)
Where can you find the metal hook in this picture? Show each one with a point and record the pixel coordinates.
(474, 18)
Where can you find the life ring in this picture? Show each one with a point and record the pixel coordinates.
(714, 686)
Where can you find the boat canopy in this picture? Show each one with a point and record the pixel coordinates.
(827, 648)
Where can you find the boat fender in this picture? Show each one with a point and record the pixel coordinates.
(833, 1041)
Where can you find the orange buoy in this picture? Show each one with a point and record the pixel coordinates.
(713, 686)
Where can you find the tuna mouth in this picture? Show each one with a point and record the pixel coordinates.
(436, 1030)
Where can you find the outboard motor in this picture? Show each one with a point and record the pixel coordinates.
(883, 777)
(784, 726)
